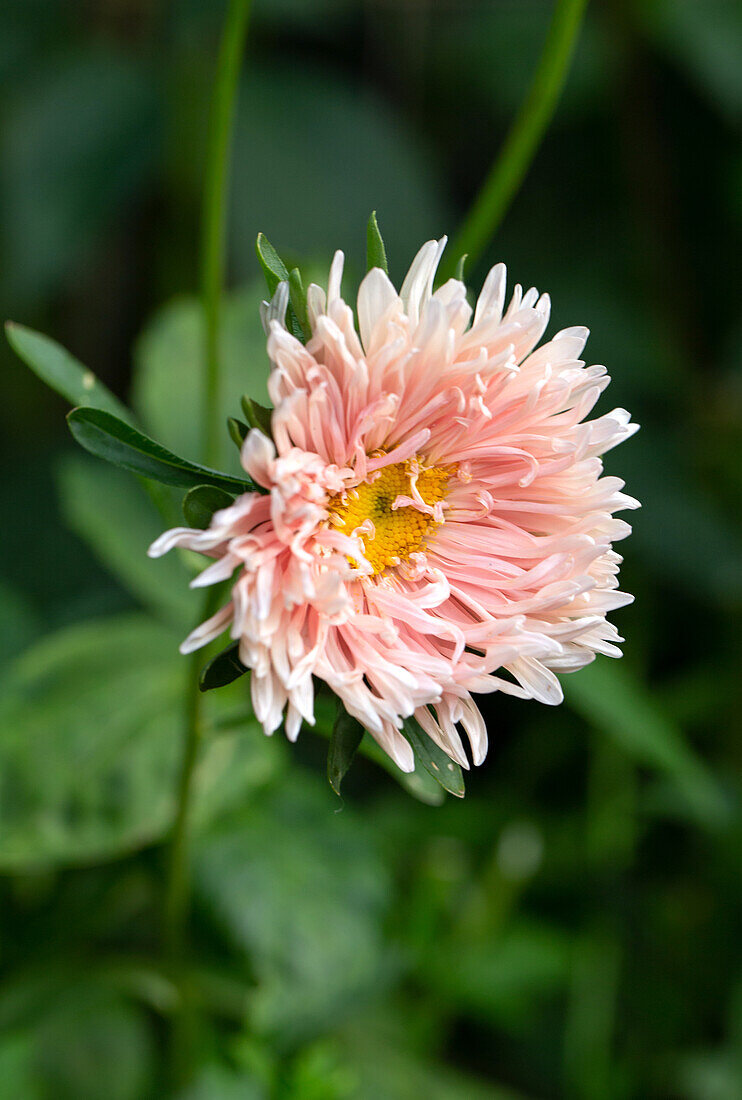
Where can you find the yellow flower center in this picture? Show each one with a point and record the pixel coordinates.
(397, 532)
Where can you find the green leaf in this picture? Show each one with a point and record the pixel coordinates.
(222, 669)
(115, 517)
(100, 704)
(435, 761)
(301, 893)
(611, 699)
(276, 272)
(274, 268)
(459, 273)
(71, 1022)
(298, 299)
(89, 1027)
(347, 735)
(200, 503)
(418, 783)
(237, 430)
(109, 438)
(375, 250)
(62, 372)
(258, 416)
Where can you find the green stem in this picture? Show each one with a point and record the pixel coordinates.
(214, 211)
(178, 876)
(177, 888)
(522, 141)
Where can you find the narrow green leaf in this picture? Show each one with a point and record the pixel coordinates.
(375, 250)
(418, 783)
(298, 299)
(435, 761)
(459, 273)
(222, 669)
(108, 437)
(200, 503)
(347, 735)
(237, 430)
(276, 272)
(257, 416)
(274, 268)
(54, 365)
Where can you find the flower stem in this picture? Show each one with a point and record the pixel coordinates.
(178, 875)
(214, 211)
(213, 229)
(523, 140)
(177, 885)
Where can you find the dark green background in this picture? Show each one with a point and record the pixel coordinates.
(571, 929)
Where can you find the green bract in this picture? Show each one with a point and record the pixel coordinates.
(276, 272)
(222, 669)
(375, 250)
(200, 503)
(435, 761)
(347, 734)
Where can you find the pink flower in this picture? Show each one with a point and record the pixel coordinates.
(435, 523)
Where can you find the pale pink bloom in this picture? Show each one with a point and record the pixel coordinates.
(436, 523)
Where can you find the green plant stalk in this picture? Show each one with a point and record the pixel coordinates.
(178, 871)
(522, 142)
(214, 212)
(178, 874)
(213, 238)
(213, 242)
(183, 1023)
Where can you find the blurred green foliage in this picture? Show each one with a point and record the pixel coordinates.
(570, 929)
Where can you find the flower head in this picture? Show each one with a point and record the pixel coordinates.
(434, 523)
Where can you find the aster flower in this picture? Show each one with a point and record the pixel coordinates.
(434, 522)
